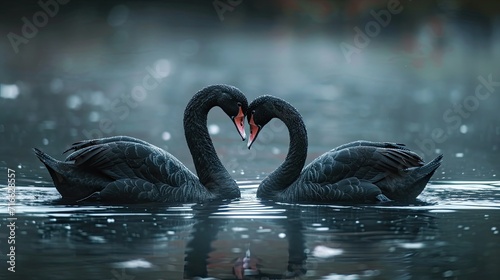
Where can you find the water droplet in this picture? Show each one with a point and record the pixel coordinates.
(138, 263)
(97, 239)
(493, 228)
(463, 129)
(110, 220)
(93, 116)
(322, 229)
(275, 151)
(448, 273)
(281, 235)
(166, 136)
(74, 102)
(45, 141)
(163, 68)
(236, 250)
(9, 91)
(416, 245)
(242, 172)
(213, 129)
(326, 252)
(19, 166)
(459, 155)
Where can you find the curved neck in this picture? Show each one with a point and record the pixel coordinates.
(209, 168)
(288, 172)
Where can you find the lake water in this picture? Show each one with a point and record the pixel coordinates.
(452, 233)
(431, 83)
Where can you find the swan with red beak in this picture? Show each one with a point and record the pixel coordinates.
(360, 171)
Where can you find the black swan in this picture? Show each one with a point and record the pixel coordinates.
(360, 171)
(126, 169)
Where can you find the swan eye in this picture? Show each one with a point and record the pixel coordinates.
(239, 104)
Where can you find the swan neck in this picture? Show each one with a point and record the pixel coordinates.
(209, 168)
(288, 172)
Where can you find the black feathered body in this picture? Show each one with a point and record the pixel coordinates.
(362, 173)
(359, 171)
(111, 169)
(130, 170)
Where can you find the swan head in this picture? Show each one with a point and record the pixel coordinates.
(262, 110)
(234, 103)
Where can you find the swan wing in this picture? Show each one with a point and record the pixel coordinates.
(364, 143)
(87, 143)
(132, 160)
(369, 163)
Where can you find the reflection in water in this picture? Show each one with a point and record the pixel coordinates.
(248, 265)
(252, 239)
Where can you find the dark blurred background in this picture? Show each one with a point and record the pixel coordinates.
(424, 73)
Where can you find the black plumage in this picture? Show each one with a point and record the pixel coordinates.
(358, 171)
(130, 170)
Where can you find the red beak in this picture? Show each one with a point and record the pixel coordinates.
(254, 131)
(239, 122)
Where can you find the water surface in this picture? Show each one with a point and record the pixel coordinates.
(451, 232)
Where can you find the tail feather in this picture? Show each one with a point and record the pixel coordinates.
(66, 179)
(430, 167)
(424, 174)
(410, 186)
(52, 166)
